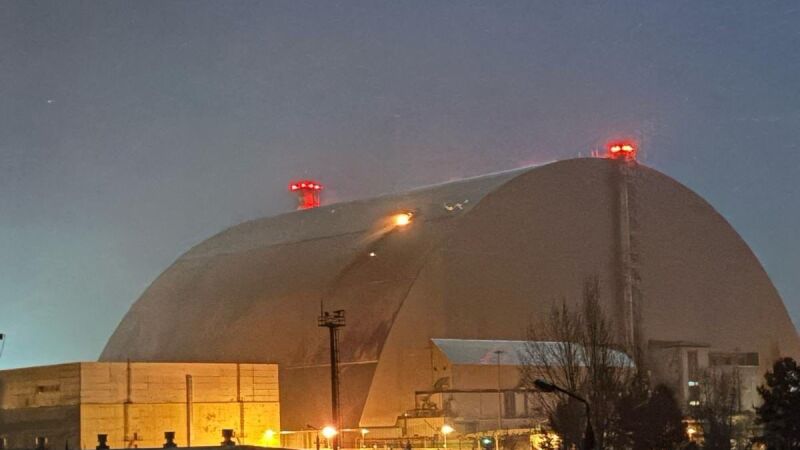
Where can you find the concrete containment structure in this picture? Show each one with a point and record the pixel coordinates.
(481, 258)
(134, 404)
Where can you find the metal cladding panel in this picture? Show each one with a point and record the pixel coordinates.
(480, 260)
(699, 280)
(535, 241)
(253, 293)
(306, 395)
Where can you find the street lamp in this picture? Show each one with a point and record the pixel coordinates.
(330, 433)
(588, 437)
(691, 431)
(270, 438)
(499, 353)
(446, 429)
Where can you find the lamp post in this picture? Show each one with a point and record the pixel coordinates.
(446, 429)
(499, 402)
(588, 437)
(330, 433)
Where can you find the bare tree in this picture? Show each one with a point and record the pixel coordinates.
(553, 352)
(719, 409)
(578, 351)
(609, 370)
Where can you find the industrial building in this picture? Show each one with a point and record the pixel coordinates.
(134, 404)
(440, 282)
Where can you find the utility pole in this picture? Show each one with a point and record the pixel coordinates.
(333, 321)
(189, 408)
(499, 403)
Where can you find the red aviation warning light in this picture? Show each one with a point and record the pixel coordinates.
(307, 193)
(622, 150)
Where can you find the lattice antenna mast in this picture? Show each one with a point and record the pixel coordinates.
(625, 153)
(333, 321)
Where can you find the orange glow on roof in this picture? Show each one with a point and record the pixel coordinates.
(402, 219)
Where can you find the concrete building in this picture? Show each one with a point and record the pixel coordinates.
(686, 365)
(135, 403)
(480, 260)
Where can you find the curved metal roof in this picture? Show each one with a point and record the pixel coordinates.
(482, 257)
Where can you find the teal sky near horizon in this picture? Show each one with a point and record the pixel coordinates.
(130, 131)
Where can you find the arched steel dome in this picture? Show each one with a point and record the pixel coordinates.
(481, 257)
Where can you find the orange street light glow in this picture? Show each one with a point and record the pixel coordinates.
(402, 219)
(269, 439)
(329, 432)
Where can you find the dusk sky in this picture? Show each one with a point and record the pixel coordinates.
(130, 131)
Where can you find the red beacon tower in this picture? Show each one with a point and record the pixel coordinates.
(307, 193)
(625, 151)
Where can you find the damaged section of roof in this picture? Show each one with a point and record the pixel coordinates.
(429, 203)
